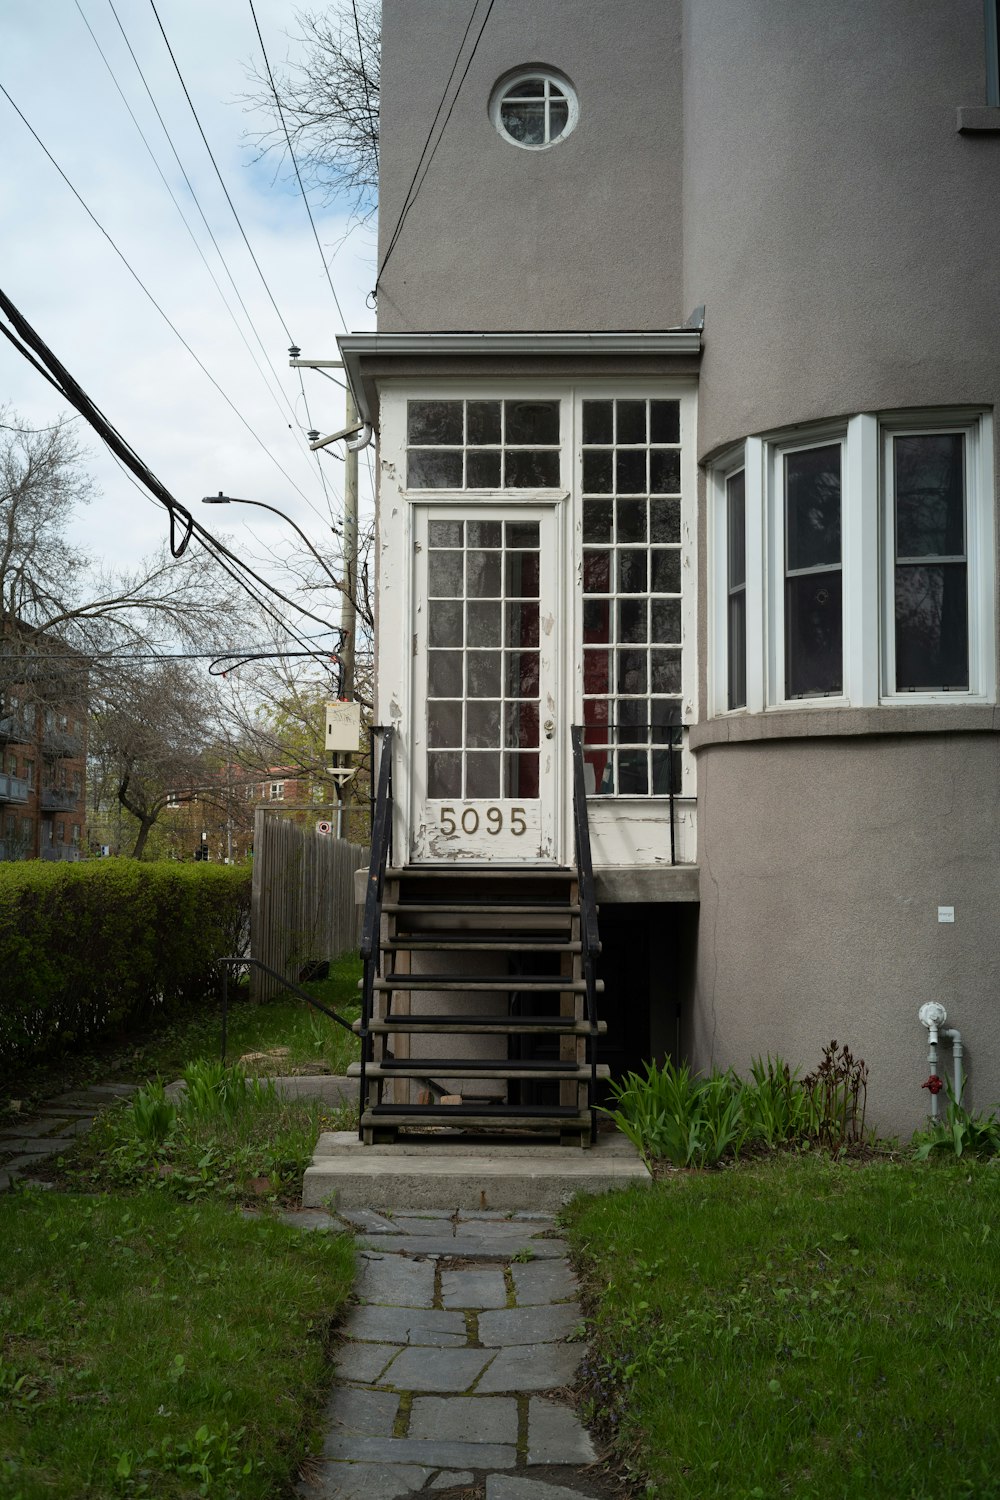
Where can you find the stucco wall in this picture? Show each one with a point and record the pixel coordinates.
(583, 235)
(840, 231)
(823, 864)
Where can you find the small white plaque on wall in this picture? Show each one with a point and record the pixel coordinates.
(946, 914)
(343, 726)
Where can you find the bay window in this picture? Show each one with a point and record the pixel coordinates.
(855, 564)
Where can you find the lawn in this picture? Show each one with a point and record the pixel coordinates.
(153, 1340)
(799, 1327)
(150, 1347)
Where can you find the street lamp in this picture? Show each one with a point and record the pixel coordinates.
(221, 499)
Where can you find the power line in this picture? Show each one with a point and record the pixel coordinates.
(179, 514)
(144, 288)
(411, 195)
(218, 174)
(298, 175)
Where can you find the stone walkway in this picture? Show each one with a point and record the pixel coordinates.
(452, 1377)
(25, 1143)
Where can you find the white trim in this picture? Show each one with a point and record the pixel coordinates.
(860, 561)
(546, 76)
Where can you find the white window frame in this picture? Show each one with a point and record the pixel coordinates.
(547, 77)
(867, 561)
(277, 791)
(976, 429)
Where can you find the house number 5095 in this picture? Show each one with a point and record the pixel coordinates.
(468, 821)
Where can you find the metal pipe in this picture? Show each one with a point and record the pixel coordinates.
(958, 1052)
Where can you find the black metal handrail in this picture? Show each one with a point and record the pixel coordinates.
(371, 925)
(232, 963)
(590, 942)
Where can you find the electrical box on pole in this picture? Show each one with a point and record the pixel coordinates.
(343, 727)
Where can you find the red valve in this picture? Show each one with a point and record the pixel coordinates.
(934, 1083)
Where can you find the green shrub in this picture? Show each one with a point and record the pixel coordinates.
(960, 1133)
(670, 1113)
(89, 949)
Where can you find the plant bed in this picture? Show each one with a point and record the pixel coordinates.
(796, 1327)
(156, 1348)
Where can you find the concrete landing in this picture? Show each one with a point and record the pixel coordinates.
(506, 1178)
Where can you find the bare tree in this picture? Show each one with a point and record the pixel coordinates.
(330, 102)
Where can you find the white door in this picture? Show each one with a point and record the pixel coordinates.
(486, 733)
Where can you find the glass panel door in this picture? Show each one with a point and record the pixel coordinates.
(485, 731)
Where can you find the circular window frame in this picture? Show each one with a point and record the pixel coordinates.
(541, 73)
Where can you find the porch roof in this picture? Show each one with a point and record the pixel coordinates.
(369, 357)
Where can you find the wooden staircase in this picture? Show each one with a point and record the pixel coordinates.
(479, 996)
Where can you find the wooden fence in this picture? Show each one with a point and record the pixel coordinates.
(302, 903)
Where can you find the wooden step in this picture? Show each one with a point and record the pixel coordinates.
(539, 984)
(477, 1067)
(485, 1025)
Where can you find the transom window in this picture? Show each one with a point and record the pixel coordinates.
(482, 445)
(632, 596)
(534, 109)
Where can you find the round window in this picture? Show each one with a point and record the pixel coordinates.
(534, 107)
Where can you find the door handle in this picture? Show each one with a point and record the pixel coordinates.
(549, 728)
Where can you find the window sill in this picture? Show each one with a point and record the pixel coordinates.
(978, 119)
(842, 722)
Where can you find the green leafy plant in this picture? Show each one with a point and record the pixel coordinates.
(154, 1116)
(779, 1109)
(213, 1090)
(669, 1113)
(960, 1133)
(839, 1090)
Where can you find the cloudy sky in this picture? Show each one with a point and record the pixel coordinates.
(68, 281)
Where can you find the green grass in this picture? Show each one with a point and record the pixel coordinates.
(799, 1328)
(149, 1347)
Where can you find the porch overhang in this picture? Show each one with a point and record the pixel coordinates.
(370, 358)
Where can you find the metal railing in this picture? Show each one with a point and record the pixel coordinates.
(58, 799)
(14, 788)
(230, 963)
(381, 853)
(589, 938)
(645, 755)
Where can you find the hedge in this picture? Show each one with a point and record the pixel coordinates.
(92, 948)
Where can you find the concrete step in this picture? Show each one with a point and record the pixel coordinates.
(448, 942)
(452, 1173)
(544, 984)
(488, 906)
(490, 872)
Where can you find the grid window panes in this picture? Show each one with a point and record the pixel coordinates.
(632, 596)
(814, 609)
(931, 562)
(482, 445)
(482, 659)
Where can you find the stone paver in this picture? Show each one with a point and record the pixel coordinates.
(383, 1325)
(477, 1288)
(490, 1419)
(440, 1381)
(530, 1325)
(28, 1140)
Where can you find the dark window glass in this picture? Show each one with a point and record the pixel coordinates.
(482, 575)
(520, 726)
(814, 618)
(665, 671)
(736, 650)
(665, 520)
(598, 474)
(631, 520)
(930, 495)
(664, 471)
(736, 607)
(666, 571)
(485, 533)
(483, 470)
(483, 418)
(444, 533)
(482, 726)
(666, 620)
(633, 773)
(531, 422)
(521, 776)
(529, 470)
(430, 423)
(631, 422)
(812, 508)
(558, 115)
(521, 533)
(632, 672)
(632, 572)
(444, 622)
(596, 572)
(630, 472)
(444, 725)
(522, 624)
(932, 627)
(522, 575)
(444, 674)
(597, 516)
(482, 674)
(665, 421)
(598, 421)
(444, 575)
(632, 620)
(434, 471)
(482, 774)
(736, 528)
(524, 122)
(483, 624)
(444, 773)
